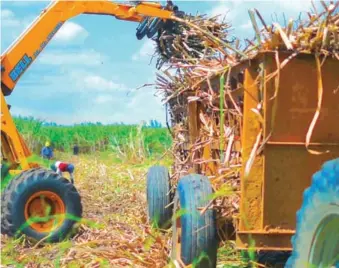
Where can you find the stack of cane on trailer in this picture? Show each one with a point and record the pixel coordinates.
(251, 126)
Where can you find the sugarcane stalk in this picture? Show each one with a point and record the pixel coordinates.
(255, 26)
(214, 39)
(222, 114)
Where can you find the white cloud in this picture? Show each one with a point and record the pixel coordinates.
(101, 84)
(70, 31)
(86, 81)
(145, 52)
(222, 10)
(247, 25)
(61, 57)
(6, 13)
(233, 9)
(236, 13)
(144, 105)
(294, 4)
(8, 19)
(80, 82)
(228, 10)
(103, 99)
(105, 107)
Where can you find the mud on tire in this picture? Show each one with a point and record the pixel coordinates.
(17, 200)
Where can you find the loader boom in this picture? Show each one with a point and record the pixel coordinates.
(24, 50)
(27, 47)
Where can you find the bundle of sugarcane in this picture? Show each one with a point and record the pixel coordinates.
(200, 84)
(200, 80)
(197, 81)
(318, 34)
(190, 39)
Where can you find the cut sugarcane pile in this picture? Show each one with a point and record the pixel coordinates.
(190, 39)
(201, 63)
(319, 34)
(195, 38)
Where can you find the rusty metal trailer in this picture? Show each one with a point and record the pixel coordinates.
(274, 189)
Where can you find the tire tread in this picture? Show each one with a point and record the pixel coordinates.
(24, 181)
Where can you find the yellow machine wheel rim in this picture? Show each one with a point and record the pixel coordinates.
(45, 211)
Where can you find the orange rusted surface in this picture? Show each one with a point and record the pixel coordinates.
(272, 193)
(207, 168)
(297, 101)
(278, 241)
(43, 206)
(193, 129)
(289, 166)
(251, 187)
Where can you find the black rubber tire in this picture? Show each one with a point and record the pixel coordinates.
(159, 196)
(154, 26)
(25, 185)
(142, 29)
(320, 203)
(5, 195)
(5, 176)
(198, 233)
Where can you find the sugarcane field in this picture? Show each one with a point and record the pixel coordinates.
(170, 134)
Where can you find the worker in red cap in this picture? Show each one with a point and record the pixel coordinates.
(60, 167)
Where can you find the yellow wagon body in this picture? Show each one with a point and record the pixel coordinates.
(272, 192)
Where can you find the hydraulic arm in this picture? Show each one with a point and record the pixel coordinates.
(18, 57)
(27, 47)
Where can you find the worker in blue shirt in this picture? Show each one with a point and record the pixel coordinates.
(47, 151)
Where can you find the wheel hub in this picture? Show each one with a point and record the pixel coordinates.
(44, 211)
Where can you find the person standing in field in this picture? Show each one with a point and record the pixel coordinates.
(47, 151)
(76, 149)
(60, 167)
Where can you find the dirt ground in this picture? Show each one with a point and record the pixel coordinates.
(114, 231)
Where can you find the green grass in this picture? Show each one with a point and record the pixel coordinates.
(113, 229)
(125, 140)
(126, 152)
(115, 143)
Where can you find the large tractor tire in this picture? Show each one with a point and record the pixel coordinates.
(195, 239)
(159, 197)
(316, 240)
(40, 203)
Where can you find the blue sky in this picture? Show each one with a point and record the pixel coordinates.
(86, 71)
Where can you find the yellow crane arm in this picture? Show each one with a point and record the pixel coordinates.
(26, 48)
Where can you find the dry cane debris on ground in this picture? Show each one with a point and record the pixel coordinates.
(114, 231)
(203, 67)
